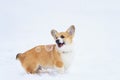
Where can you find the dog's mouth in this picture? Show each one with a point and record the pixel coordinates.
(60, 44)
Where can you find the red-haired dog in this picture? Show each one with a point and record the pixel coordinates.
(56, 56)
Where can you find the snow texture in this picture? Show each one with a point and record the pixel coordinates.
(27, 23)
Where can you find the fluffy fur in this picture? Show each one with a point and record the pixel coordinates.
(57, 56)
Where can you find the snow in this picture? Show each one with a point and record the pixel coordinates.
(27, 23)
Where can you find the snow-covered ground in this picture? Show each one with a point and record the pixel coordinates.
(27, 23)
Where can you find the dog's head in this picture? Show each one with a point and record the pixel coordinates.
(63, 38)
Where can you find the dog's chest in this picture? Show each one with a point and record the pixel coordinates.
(67, 59)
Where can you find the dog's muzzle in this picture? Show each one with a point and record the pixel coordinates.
(59, 43)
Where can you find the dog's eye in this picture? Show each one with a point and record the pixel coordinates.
(56, 37)
(62, 36)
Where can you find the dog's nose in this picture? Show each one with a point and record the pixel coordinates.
(57, 41)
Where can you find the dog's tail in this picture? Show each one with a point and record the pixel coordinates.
(20, 56)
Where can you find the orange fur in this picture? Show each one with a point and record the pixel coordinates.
(48, 56)
(32, 59)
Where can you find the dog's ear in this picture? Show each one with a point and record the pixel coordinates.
(71, 30)
(53, 33)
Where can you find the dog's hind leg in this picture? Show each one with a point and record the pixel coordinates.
(32, 69)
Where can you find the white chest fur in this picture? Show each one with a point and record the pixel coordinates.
(66, 55)
(67, 59)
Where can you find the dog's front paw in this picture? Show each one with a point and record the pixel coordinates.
(61, 70)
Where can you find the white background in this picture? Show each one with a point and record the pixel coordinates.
(27, 23)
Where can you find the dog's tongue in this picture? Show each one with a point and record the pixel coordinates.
(60, 45)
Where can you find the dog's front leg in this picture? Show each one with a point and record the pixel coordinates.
(59, 66)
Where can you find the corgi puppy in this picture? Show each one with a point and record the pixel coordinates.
(56, 56)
